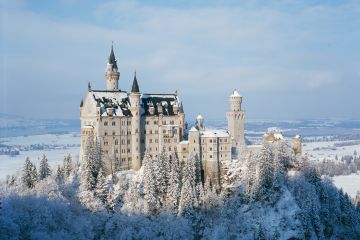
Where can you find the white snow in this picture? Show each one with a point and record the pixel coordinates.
(349, 183)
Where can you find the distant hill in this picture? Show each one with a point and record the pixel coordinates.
(13, 125)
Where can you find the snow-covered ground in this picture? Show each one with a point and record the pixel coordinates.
(327, 150)
(349, 183)
(9, 165)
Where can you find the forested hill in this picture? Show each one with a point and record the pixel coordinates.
(260, 198)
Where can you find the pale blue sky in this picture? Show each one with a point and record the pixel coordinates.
(289, 59)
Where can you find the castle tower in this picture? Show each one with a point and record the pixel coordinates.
(297, 146)
(112, 74)
(135, 125)
(235, 119)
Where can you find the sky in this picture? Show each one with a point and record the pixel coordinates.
(288, 59)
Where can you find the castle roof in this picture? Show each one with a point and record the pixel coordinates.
(214, 133)
(116, 100)
(162, 102)
(135, 85)
(120, 103)
(235, 94)
(112, 59)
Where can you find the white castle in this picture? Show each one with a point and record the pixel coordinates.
(128, 123)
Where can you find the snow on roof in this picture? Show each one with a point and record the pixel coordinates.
(184, 142)
(193, 129)
(214, 133)
(297, 136)
(278, 136)
(235, 94)
(88, 126)
(117, 100)
(199, 117)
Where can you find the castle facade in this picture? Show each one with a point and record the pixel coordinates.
(126, 124)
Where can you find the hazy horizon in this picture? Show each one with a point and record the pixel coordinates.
(289, 60)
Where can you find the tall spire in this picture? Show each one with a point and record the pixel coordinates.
(135, 85)
(112, 59)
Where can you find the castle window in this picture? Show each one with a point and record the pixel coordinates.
(117, 151)
(210, 149)
(155, 122)
(169, 148)
(113, 133)
(171, 121)
(113, 123)
(105, 123)
(210, 156)
(210, 140)
(116, 142)
(184, 149)
(128, 150)
(105, 133)
(123, 141)
(164, 122)
(128, 141)
(150, 140)
(156, 149)
(147, 122)
(150, 131)
(164, 131)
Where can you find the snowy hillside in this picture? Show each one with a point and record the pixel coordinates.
(259, 199)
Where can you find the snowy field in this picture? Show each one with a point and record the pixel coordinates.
(9, 165)
(319, 151)
(349, 183)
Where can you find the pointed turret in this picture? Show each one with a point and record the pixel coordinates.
(112, 59)
(89, 87)
(81, 103)
(135, 85)
(112, 74)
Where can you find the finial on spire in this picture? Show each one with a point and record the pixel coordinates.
(89, 86)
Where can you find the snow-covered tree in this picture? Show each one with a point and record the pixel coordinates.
(101, 190)
(151, 194)
(67, 165)
(29, 174)
(90, 165)
(174, 189)
(59, 174)
(44, 170)
(188, 198)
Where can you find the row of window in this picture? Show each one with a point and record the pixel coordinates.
(123, 123)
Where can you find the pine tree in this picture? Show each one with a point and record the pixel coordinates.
(67, 165)
(174, 188)
(44, 170)
(111, 202)
(151, 194)
(28, 174)
(188, 198)
(101, 189)
(160, 167)
(89, 165)
(59, 174)
(265, 173)
(34, 174)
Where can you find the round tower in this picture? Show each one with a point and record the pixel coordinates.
(235, 119)
(135, 125)
(112, 74)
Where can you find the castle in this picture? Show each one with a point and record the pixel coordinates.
(129, 123)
